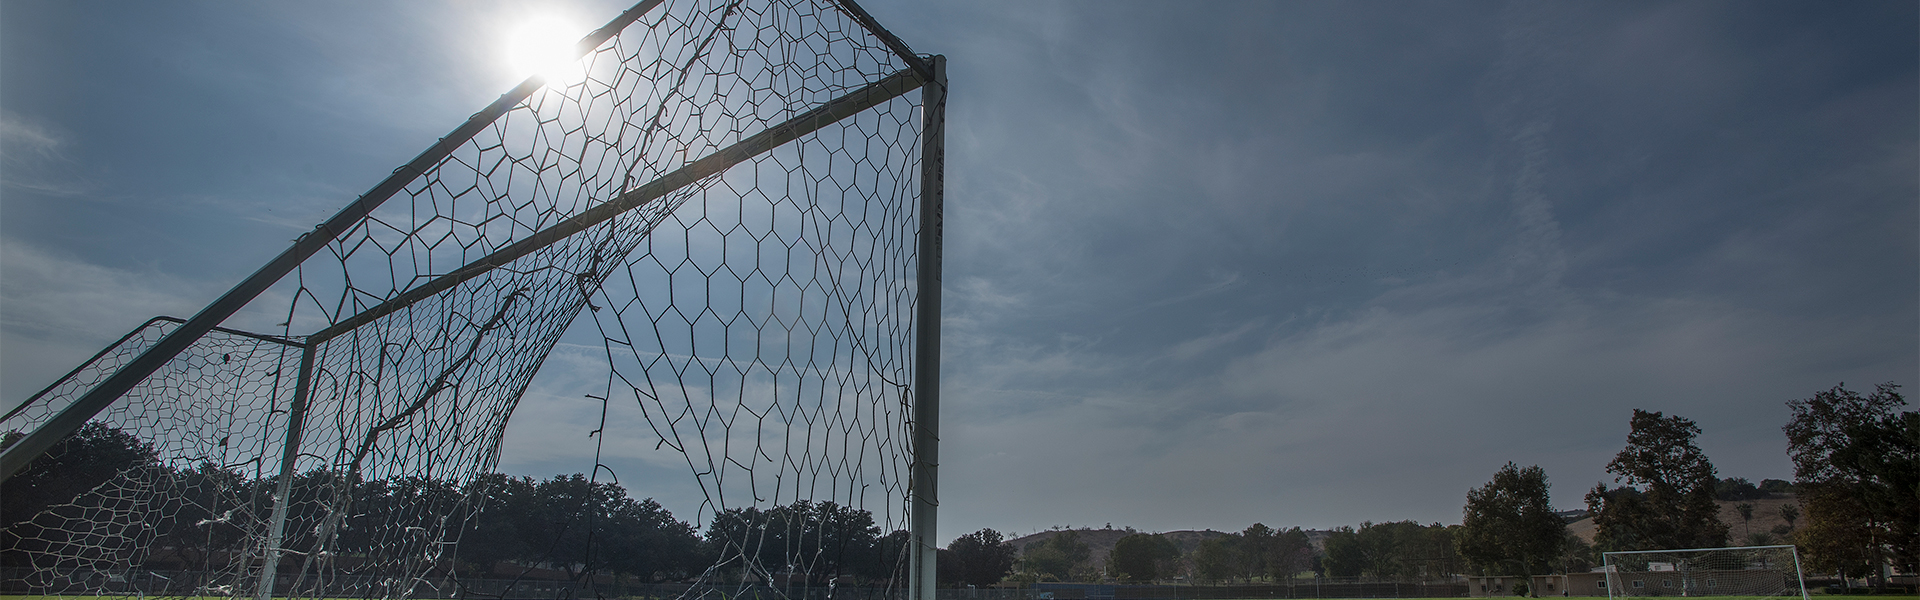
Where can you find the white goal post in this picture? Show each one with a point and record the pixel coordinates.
(1746, 571)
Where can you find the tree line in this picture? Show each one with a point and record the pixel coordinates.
(1857, 475)
(1856, 468)
(503, 526)
(1402, 550)
(1856, 460)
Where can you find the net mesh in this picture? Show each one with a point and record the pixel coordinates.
(761, 317)
(1758, 571)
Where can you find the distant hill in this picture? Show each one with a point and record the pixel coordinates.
(1100, 541)
(1766, 515)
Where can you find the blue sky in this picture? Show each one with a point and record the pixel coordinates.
(1208, 264)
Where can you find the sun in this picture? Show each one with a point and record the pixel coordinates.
(543, 45)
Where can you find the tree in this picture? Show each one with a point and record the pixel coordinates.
(569, 511)
(402, 515)
(1142, 557)
(1056, 558)
(1576, 555)
(1395, 550)
(1677, 508)
(822, 540)
(1620, 517)
(1292, 553)
(980, 558)
(1257, 551)
(1215, 559)
(1736, 489)
(1345, 557)
(644, 540)
(74, 465)
(203, 513)
(891, 551)
(582, 525)
(1746, 516)
(1509, 525)
(1442, 558)
(1856, 460)
(1776, 487)
(496, 534)
(1256, 546)
(53, 489)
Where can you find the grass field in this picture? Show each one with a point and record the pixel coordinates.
(1817, 594)
(1835, 596)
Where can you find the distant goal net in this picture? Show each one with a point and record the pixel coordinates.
(1746, 571)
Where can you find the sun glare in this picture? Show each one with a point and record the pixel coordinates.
(544, 46)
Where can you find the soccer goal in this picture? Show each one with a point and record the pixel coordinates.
(1747, 571)
(744, 199)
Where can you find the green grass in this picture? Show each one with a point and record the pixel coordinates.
(105, 597)
(114, 597)
(1811, 592)
(1836, 596)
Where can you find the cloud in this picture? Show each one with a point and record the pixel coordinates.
(1341, 421)
(1196, 347)
(33, 158)
(746, 451)
(1524, 88)
(28, 137)
(1441, 260)
(561, 410)
(1221, 281)
(561, 426)
(61, 310)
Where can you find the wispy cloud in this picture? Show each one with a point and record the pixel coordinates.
(61, 309)
(21, 136)
(33, 158)
(1193, 348)
(1221, 281)
(1383, 401)
(1525, 87)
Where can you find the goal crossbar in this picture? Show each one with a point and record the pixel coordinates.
(832, 112)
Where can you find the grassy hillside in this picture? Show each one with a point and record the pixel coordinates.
(1100, 541)
(1766, 515)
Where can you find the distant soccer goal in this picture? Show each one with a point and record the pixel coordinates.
(1746, 571)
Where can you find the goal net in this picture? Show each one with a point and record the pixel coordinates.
(737, 193)
(1749, 571)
